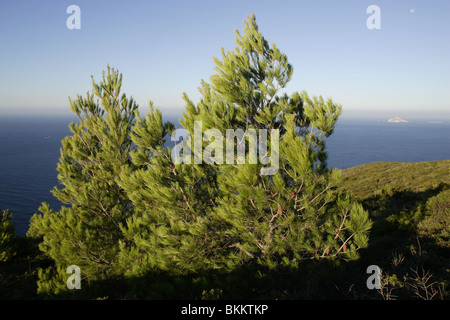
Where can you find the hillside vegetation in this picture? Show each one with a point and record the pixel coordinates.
(409, 204)
(373, 179)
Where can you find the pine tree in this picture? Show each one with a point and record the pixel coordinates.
(294, 214)
(212, 215)
(85, 232)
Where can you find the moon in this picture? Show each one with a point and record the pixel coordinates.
(412, 10)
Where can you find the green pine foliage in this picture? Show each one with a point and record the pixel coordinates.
(7, 232)
(86, 231)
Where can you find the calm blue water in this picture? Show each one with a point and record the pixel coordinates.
(30, 149)
(357, 142)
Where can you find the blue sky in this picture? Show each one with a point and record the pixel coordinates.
(165, 48)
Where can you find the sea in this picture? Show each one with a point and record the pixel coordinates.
(30, 149)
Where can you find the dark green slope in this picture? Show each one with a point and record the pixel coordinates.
(409, 204)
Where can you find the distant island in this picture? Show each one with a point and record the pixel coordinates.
(396, 119)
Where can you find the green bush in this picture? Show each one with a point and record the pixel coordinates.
(7, 232)
(436, 223)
